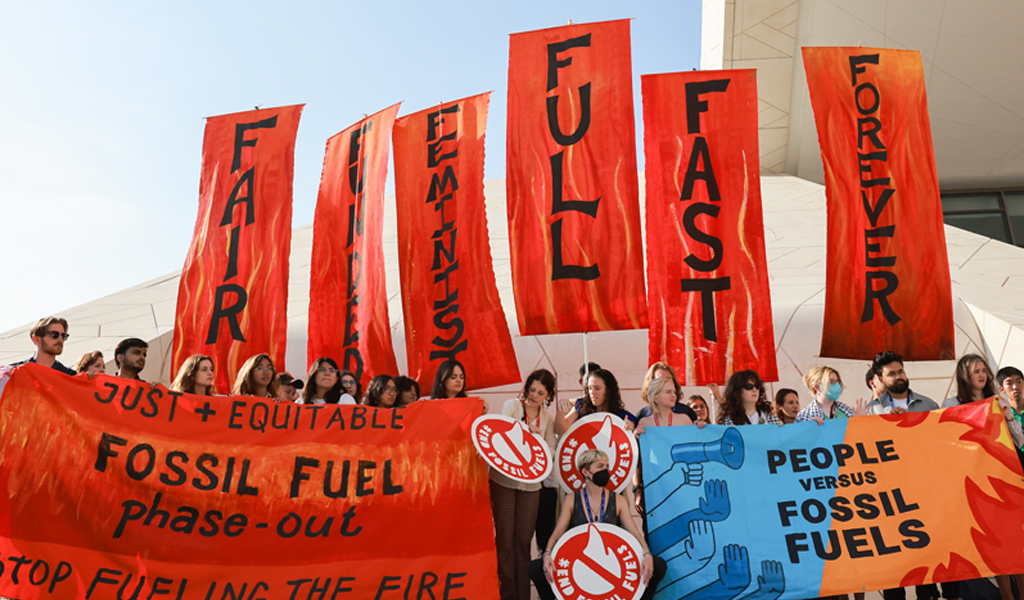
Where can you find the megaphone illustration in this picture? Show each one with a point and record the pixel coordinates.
(727, 450)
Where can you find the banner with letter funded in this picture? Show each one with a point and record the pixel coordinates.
(887, 284)
(449, 295)
(807, 510)
(116, 489)
(710, 305)
(348, 300)
(573, 204)
(233, 293)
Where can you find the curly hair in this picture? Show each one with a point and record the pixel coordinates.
(612, 397)
(733, 397)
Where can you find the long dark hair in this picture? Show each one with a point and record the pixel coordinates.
(964, 388)
(612, 396)
(734, 398)
(310, 392)
(376, 387)
(358, 396)
(404, 384)
(444, 371)
(546, 379)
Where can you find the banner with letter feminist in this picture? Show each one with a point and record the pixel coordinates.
(887, 283)
(573, 205)
(710, 306)
(449, 296)
(348, 307)
(233, 293)
(116, 489)
(807, 510)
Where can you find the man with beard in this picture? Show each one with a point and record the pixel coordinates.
(130, 356)
(48, 335)
(898, 397)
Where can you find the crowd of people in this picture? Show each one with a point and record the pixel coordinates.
(524, 512)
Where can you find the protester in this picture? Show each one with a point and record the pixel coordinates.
(288, 387)
(787, 405)
(515, 504)
(91, 363)
(257, 377)
(547, 509)
(898, 397)
(196, 376)
(351, 388)
(826, 386)
(662, 398)
(974, 381)
(381, 392)
(408, 390)
(657, 371)
(450, 380)
(745, 401)
(130, 358)
(567, 405)
(323, 385)
(1011, 389)
(874, 383)
(593, 504)
(700, 408)
(601, 395)
(49, 335)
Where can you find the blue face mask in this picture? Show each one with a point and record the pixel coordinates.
(834, 391)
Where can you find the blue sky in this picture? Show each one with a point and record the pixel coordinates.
(102, 108)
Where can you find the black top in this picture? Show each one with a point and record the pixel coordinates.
(56, 366)
(679, 408)
(579, 508)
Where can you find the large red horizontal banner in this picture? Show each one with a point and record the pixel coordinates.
(888, 284)
(449, 295)
(573, 206)
(710, 306)
(120, 490)
(233, 294)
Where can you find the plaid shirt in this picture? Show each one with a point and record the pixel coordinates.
(763, 418)
(812, 411)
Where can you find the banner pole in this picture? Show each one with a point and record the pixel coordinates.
(586, 363)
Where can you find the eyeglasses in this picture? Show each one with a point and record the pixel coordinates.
(348, 382)
(750, 386)
(391, 390)
(264, 369)
(55, 334)
(327, 370)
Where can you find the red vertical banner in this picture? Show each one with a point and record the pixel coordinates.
(449, 296)
(348, 302)
(233, 294)
(573, 208)
(710, 306)
(888, 285)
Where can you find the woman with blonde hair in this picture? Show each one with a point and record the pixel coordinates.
(826, 385)
(257, 377)
(661, 370)
(195, 376)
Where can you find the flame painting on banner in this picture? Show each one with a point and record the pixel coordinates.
(233, 294)
(573, 208)
(710, 306)
(449, 296)
(348, 302)
(888, 285)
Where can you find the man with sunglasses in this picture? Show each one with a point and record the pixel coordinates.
(49, 335)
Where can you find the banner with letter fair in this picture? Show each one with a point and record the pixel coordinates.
(808, 510)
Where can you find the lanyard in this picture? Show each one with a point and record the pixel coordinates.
(657, 422)
(526, 417)
(586, 499)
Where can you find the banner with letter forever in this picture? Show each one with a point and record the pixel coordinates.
(572, 194)
(120, 490)
(348, 307)
(807, 510)
(449, 296)
(887, 283)
(233, 293)
(710, 306)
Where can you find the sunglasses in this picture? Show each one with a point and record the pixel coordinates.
(55, 334)
(750, 386)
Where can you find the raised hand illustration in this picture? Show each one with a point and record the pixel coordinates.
(770, 583)
(691, 554)
(714, 506)
(733, 577)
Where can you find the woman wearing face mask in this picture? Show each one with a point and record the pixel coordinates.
(826, 385)
(787, 405)
(594, 504)
(513, 503)
(745, 401)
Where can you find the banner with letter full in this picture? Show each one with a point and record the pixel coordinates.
(449, 295)
(233, 293)
(572, 193)
(887, 284)
(119, 490)
(348, 301)
(807, 510)
(710, 306)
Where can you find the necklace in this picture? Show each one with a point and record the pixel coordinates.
(657, 421)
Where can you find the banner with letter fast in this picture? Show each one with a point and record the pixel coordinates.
(572, 194)
(710, 305)
(887, 285)
(233, 293)
(115, 489)
(348, 307)
(449, 295)
(807, 510)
